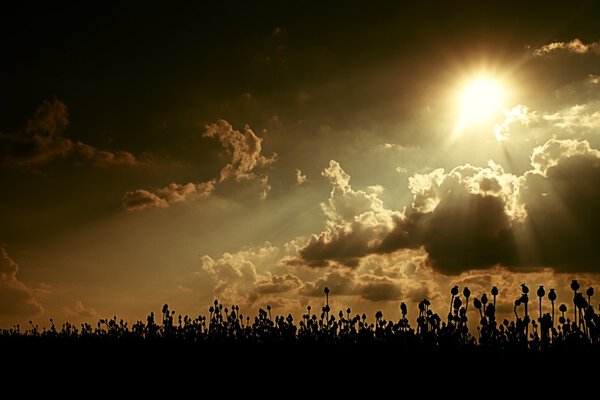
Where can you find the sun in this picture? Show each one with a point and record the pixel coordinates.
(479, 100)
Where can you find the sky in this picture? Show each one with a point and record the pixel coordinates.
(256, 152)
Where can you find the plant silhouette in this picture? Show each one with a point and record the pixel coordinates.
(227, 325)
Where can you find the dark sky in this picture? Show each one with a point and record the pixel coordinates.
(255, 151)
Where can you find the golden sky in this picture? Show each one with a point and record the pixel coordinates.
(259, 152)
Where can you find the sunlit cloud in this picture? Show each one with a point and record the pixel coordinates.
(575, 46)
(173, 193)
(579, 118)
(300, 177)
(356, 224)
(244, 150)
(518, 114)
(554, 151)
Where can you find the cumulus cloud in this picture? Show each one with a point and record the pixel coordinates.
(243, 277)
(244, 149)
(553, 151)
(471, 217)
(380, 281)
(357, 222)
(16, 298)
(519, 114)
(465, 211)
(575, 46)
(245, 160)
(563, 214)
(248, 278)
(43, 141)
(554, 226)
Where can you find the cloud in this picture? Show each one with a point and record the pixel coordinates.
(16, 298)
(518, 114)
(430, 189)
(457, 217)
(300, 177)
(553, 151)
(583, 118)
(80, 311)
(140, 199)
(563, 213)
(556, 218)
(348, 283)
(574, 115)
(575, 46)
(472, 218)
(247, 278)
(357, 222)
(43, 140)
(245, 153)
(244, 149)
(242, 278)
(103, 158)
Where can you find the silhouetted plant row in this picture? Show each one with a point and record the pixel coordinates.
(229, 325)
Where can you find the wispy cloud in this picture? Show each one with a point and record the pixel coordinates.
(575, 46)
(140, 199)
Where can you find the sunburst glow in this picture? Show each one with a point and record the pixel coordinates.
(479, 100)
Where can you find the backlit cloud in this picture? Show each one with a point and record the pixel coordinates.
(357, 222)
(472, 217)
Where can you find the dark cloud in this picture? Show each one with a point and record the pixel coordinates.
(16, 298)
(348, 283)
(357, 222)
(43, 141)
(474, 218)
(563, 215)
(278, 284)
(465, 231)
